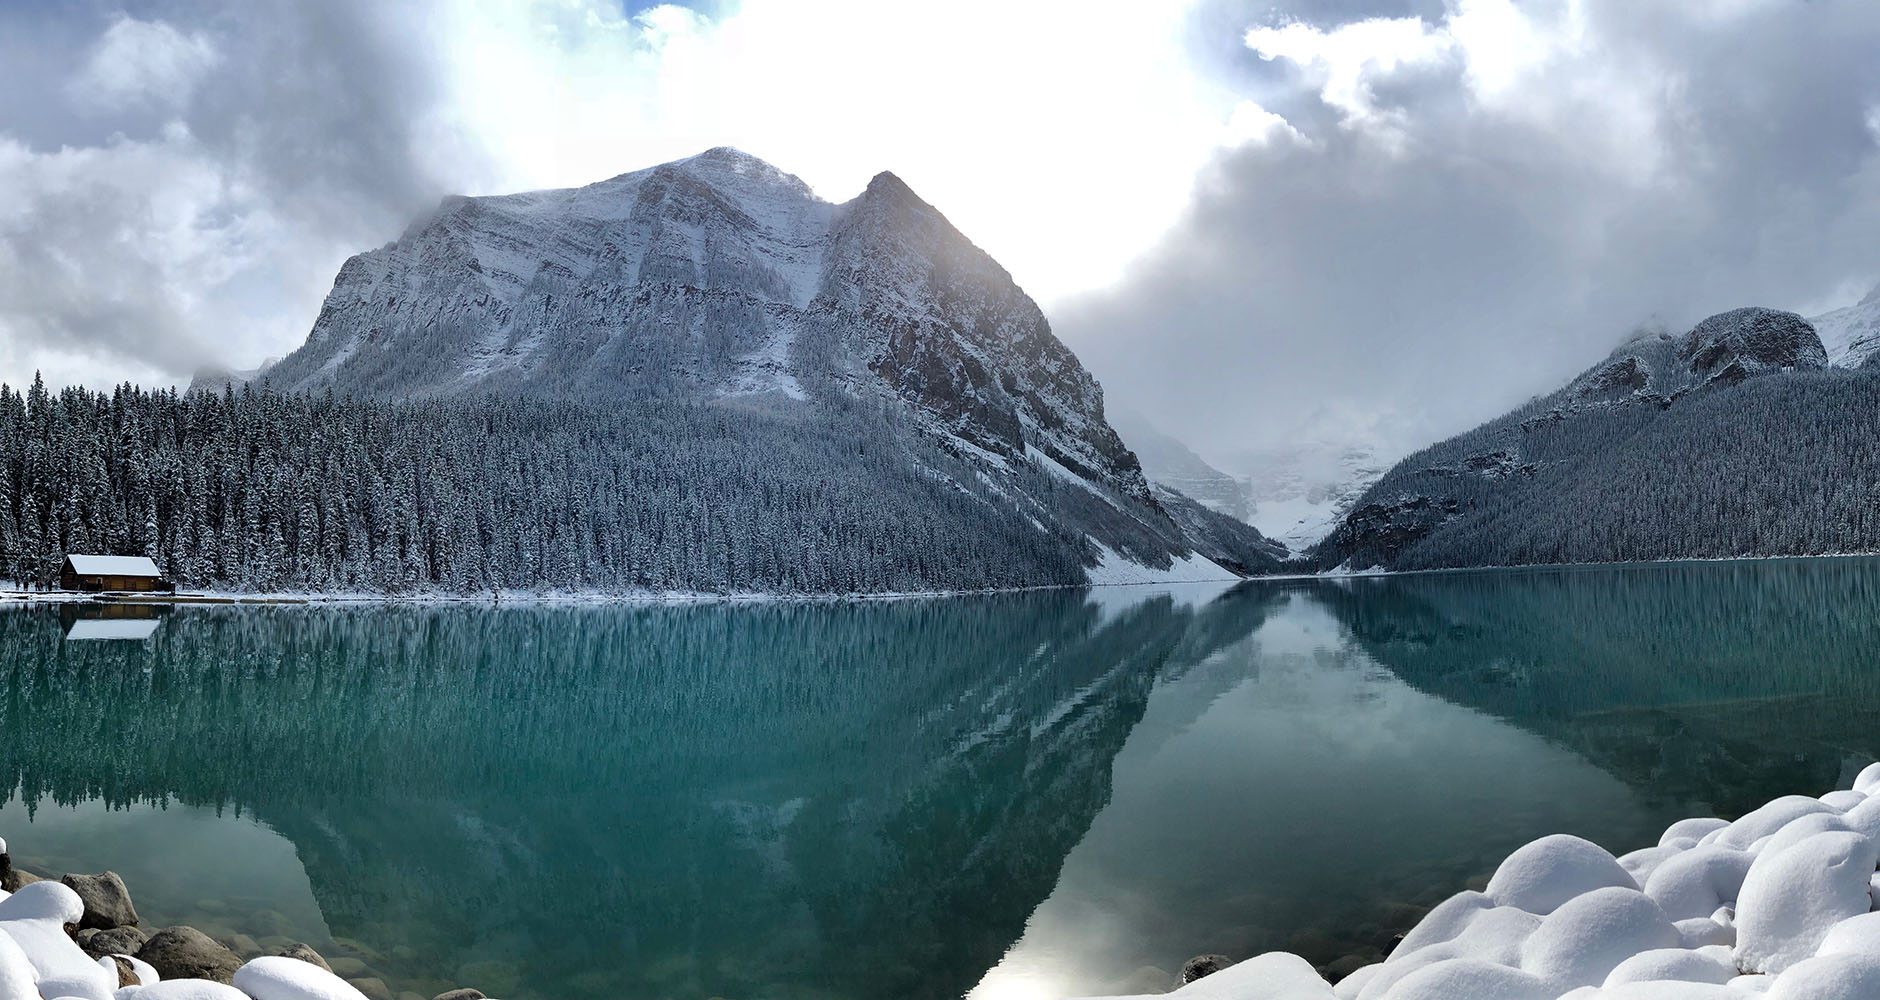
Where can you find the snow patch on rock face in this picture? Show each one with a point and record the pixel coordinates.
(1851, 334)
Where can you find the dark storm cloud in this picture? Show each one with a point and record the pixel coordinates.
(1465, 237)
(178, 172)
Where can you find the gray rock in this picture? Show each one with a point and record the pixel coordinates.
(305, 954)
(107, 900)
(12, 878)
(1203, 965)
(374, 989)
(116, 941)
(187, 953)
(1337, 971)
(346, 967)
(463, 994)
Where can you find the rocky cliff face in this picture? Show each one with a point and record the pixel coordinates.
(718, 275)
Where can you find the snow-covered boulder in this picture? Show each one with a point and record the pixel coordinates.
(1703, 965)
(1843, 799)
(1543, 875)
(1698, 881)
(1580, 943)
(280, 978)
(146, 976)
(1693, 830)
(1766, 820)
(1791, 899)
(18, 979)
(187, 989)
(1830, 977)
(35, 918)
(1275, 975)
(1640, 864)
(1469, 977)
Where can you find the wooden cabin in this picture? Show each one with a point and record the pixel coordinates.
(100, 574)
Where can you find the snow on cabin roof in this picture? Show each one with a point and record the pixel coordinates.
(113, 628)
(113, 566)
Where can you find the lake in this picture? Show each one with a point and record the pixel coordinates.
(1018, 797)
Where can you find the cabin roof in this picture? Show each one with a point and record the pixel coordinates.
(113, 566)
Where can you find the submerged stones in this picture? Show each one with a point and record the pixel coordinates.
(78, 939)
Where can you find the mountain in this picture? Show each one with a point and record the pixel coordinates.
(1170, 463)
(719, 285)
(1851, 334)
(1736, 438)
(1301, 491)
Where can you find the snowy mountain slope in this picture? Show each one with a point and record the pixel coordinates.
(720, 278)
(1300, 493)
(1170, 463)
(1851, 334)
(1733, 439)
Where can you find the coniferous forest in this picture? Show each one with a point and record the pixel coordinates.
(259, 490)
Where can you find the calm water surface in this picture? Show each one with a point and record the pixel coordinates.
(1021, 797)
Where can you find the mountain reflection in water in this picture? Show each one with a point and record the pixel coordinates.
(1074, 791)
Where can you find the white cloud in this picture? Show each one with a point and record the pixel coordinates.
(142, 63)
(1061, 136)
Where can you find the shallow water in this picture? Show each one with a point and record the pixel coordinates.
(1026, 796)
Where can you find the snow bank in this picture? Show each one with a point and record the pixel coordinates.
(1782, 904)
(1115, 569)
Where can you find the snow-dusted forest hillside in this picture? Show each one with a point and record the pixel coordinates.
(1735, 439)
(697, 377)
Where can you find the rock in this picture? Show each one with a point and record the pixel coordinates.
(120, 967)
(116, 941)
(187, 953)
(242, 945)
(346, 967)
(1193, 969)
(11, 878)
(305, 954)
(470, 994)
(1336, 972)
(107, 900)
(374, 989)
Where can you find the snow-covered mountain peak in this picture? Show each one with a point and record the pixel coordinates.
(1851, 334)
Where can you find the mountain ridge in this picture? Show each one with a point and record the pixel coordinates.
(721, 280)
(1737, 438)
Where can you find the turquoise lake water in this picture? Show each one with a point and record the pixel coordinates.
(1018, 797)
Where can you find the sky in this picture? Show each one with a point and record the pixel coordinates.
(1331, 221)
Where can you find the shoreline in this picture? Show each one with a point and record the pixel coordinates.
(1784, 900)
